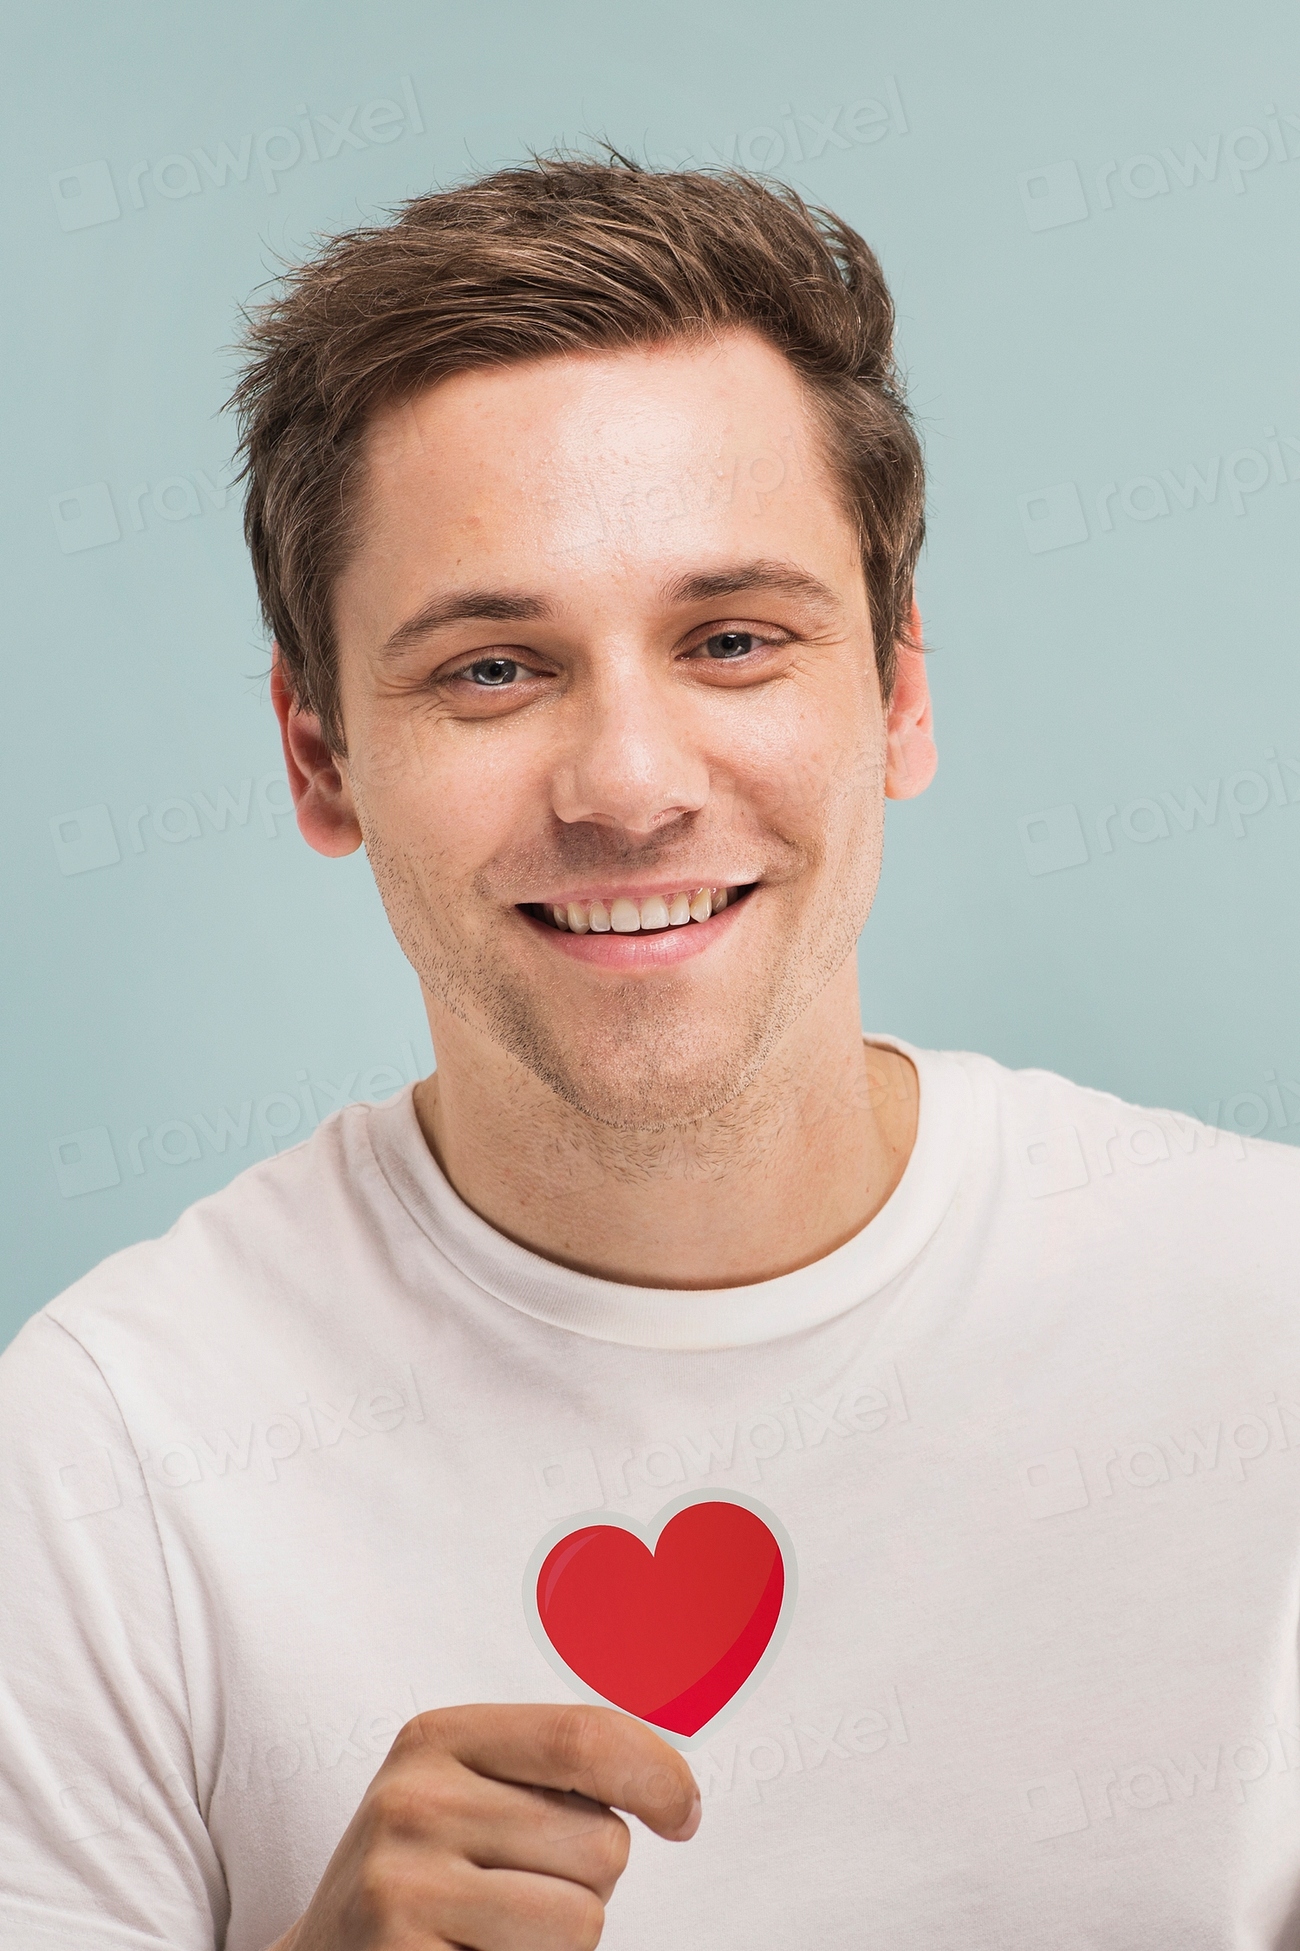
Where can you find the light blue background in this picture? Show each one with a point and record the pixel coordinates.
(1065, 331)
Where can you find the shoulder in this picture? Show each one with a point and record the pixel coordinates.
(1057, 1138)
(281, 1234)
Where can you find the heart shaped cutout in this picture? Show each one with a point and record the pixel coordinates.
(670, 1624)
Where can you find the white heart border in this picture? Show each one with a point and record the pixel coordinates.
(649, 1535)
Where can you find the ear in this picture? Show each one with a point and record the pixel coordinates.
(912, 758)
(318, 780)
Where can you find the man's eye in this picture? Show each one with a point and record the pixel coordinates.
(492, 672)
(730, 643)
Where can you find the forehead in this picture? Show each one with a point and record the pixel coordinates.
(643, 450)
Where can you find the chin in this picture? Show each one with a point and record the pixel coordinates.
(651, 1108)
(644, 1077)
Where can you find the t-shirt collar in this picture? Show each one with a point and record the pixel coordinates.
(676, 1318)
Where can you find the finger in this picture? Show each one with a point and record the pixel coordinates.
(504, 1826)
(435, 1799)
(601, 1753)
(510, 1910)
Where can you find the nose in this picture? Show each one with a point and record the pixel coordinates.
(630, 762)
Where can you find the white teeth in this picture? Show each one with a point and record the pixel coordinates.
(627, 917)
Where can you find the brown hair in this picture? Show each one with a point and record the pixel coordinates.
(566, 255)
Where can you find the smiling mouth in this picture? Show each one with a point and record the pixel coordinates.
(624, 916)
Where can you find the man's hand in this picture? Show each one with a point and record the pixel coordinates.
(493, 1829)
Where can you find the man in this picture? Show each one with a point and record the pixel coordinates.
(673, 1394)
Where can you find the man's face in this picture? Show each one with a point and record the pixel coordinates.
(604, 639)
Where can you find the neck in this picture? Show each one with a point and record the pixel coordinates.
(796, 1165)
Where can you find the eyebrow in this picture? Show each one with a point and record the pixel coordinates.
(466, 606)
(783, 578)
(501, 606)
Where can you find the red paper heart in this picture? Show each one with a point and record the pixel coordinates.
(669, 1636)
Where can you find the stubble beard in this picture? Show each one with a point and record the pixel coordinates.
(647, 1062)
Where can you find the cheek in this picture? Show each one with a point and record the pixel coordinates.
(454, 803)
(815, 775)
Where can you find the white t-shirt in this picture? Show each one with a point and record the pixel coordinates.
(1014, 1477)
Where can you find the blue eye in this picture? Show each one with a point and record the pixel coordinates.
(729, 643)
(493, 671)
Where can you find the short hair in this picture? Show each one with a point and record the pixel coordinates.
(564, 255)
